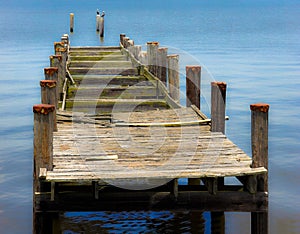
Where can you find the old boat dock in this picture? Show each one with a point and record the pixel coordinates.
(110, 134)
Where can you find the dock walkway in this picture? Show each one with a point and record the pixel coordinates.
(117, 127)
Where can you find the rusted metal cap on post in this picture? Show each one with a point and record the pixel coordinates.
(50, 70)
(44, 109)
(48, 83)
(222, 85)
(194, 68)
(260, 107)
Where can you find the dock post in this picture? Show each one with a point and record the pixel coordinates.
(193, 83)
(173, 76)
(48, 96)
(56, 61)
(259, 142)
(43, 138)
(218, 102)
(60, 48)
(152, 48)
(122, 36)
(51, 73)
(42, 153)
(162, 64)
(71, 22)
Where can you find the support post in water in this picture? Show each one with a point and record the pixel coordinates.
(71, 22)
(259, 142)
(48, 96)
(173, 76)
(101, 24)
(193, 83)
(152, 48)
(218, 103)
(162, 64)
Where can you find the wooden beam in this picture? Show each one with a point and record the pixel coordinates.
(141, 200)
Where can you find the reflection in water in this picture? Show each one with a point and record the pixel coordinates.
(134, 222)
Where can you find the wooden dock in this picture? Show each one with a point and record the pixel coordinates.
(110, 134)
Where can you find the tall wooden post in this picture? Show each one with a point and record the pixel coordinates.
(122, 36)
(56, 61)
(43, 139)
(48, 96)
(101, 26)
(173, 76)
(51, 73)
(218, 101)
(152, 48)
(71, 22)
(162, 64)
(259, 140)
(97, 22)
(193, 82)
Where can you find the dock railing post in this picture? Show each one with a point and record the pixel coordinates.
(218, 103)
(193, 83)
(51, 73)
(152, 48)
(56, 61)
(43, 139)
(173, 76)
(48, 96)
(162, 64)
(259, 142)
(43, 155)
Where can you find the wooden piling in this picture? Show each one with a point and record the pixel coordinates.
(48, 96)
(51, 73)
(173, 76)
(71, 22)
(152, 48)
(218, 101)
(162, 64)
(56, 61)
(97, 22)
(193, 83)
(43, 138)
(101, 26)
(259, 140)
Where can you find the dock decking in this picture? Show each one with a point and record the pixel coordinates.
(117, 127)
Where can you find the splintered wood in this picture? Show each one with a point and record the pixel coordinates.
(86, 150)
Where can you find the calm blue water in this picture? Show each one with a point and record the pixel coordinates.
(254, 47)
